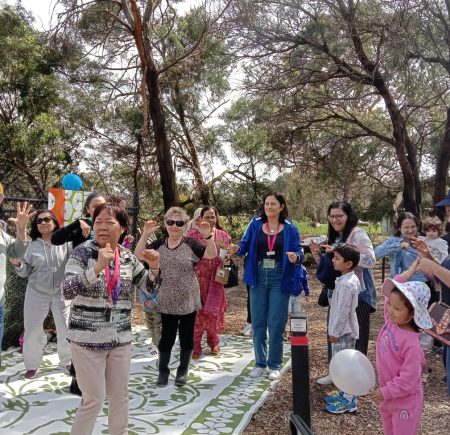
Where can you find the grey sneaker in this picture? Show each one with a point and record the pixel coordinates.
(326, 380)
(257, 372)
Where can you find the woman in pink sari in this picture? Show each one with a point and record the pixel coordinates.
(210, 318)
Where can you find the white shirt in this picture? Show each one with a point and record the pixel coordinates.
(343, 305)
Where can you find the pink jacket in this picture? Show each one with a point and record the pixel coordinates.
(400, 360)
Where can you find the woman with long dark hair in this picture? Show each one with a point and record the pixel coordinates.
(400, 247)
(79, 230)
(43, 265)
(211, 316)
(272, 245)
(343, 228)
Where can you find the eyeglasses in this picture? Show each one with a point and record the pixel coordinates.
(336, 217)
(179, 224)
(46, 220)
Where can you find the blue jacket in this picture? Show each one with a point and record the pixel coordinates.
(291, 273)
(400, 259)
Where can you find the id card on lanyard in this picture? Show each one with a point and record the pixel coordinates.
(269, 263)
(113, 286)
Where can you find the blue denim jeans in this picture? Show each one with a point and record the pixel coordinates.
(269, 309)
(2, 327)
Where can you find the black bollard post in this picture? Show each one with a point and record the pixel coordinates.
(300, 419)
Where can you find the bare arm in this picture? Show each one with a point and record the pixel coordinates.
(430, 267)
(149, 228)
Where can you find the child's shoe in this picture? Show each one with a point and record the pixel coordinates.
(196, 356)
(341, 405)
(330, 398)
(326, 380)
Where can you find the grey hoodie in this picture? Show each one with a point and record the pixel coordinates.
(44, 265)
(9, 248)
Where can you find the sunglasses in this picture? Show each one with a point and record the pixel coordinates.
(46, 220)
(170, 223)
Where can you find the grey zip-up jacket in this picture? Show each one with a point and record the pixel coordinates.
(44, 266)
(9, 248)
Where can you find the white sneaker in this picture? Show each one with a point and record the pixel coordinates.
(326, 380)
(257, 372)
(247, 329)
(274, 375)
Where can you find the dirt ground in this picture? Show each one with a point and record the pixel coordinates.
(273, 416)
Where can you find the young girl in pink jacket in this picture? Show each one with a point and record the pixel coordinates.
(400, 358)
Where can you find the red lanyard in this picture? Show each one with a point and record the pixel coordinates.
(113, 283)
(271, 242)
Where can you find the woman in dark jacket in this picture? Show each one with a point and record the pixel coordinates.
(80, 230)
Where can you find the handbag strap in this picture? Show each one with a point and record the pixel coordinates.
(438, 287)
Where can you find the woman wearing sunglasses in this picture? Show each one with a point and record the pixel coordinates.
(43, 265)
(179, 295)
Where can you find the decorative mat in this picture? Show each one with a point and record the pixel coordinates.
(219, 398)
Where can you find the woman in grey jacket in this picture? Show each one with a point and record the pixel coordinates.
(43, 265)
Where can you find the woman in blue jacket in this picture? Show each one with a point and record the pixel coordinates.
(400, 247)
(272, 270)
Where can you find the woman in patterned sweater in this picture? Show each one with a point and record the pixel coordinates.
(99, 280)
(179, 295)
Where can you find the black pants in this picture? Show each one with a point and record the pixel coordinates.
(172, 323)
(363, 315)
(249, 314)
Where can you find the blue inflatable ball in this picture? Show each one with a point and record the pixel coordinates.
(72, 182)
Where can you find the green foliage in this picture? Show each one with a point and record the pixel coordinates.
(33, 138)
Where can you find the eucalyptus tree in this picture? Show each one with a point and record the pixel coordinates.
(132, 40)
(35, 141)
(426, 43)
(331, 62)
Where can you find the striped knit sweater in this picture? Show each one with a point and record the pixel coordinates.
(88, 325)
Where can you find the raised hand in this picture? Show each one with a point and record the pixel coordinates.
(204, 228)
(150, 227)
(421, 246)
(85, 228)
(24, 214)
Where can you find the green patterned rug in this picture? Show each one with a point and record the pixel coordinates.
(220, 398)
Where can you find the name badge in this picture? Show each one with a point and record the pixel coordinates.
(268, 263)
(269, 253)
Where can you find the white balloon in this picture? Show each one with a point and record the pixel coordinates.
(352, 372)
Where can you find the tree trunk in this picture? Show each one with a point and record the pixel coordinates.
(442, 165)
(202, 187)
(163, 152)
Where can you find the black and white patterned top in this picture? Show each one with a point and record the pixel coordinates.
(179, 293)
(88, 323)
